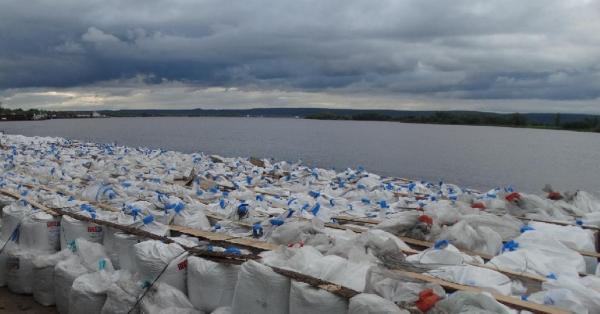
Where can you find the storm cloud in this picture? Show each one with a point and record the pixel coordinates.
(537, 55)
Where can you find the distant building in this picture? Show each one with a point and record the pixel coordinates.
(39, 116)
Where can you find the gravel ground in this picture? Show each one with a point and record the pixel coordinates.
(22, 304)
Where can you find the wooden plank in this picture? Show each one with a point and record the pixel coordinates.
(211, 236)
(30, 201)
(427, 244)
(558, 222)
(249, 242)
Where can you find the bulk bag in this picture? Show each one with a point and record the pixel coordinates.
(40, 231)
(19, 271)
(163, 298)
(307, 299)
(366, 303)
(260, 290)
(210, 285)
(88, 292)
(43, 276)
(72, 229)
(152, 256)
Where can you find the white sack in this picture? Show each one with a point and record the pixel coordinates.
(210, 285)
(260, 290)
(366, 303)
(152, 256)
(307, 299)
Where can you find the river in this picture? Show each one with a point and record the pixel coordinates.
(472, 156)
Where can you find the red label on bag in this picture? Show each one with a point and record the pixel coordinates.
(51, 224)
(182, 265)
(95, 229)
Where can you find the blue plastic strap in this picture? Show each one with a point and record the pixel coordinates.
(102, 264)
(440, 244)
(315, 209)
(233, 250)
(242, 210)
(148, 219)
(276, 222)
(511, 245)
(257, 230)
(526, 228)
(179, 207)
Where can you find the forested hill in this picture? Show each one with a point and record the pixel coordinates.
(581, 122)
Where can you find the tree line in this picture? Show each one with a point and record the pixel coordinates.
(590, 124)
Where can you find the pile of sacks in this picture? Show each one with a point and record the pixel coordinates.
(288, 204)
(81, 278)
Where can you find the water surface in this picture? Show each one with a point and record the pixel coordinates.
(473, 156)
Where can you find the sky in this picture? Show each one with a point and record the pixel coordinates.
(493, 55)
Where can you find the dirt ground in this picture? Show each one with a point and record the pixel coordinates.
(21, 304)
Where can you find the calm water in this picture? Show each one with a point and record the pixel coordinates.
(473, 156)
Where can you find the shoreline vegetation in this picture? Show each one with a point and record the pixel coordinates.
(587, 124)
(555, 121)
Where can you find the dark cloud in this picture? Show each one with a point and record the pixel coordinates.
(469, 50)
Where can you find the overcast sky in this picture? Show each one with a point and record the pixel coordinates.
(505, 55)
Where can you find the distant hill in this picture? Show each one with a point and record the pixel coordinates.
(545, 118)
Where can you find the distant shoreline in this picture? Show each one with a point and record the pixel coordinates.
(550, 121)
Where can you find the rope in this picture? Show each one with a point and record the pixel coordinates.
(137, 302)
